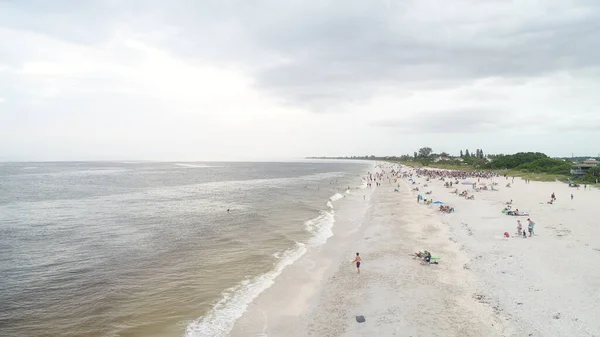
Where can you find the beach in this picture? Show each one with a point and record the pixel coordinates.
(485, 284)
(267, 249)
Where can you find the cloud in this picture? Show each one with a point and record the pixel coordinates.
(587, 122)
(208, 78)
(467, 120)
(307, 49)
(357, 47)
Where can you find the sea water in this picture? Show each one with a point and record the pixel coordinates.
(150, 249)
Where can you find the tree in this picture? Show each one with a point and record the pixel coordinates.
(516, 160)
(415, 155)
(481, 154)
(467, 153)
(444, 154)
(461, 153)
(424, 152)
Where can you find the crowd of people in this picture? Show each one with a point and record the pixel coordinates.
(454, 177)
(446, 174)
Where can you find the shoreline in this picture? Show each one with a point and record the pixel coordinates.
(294, 294)
(485, 284)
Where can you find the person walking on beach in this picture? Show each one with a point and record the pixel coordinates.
(519, 227)
(530, 227)
(357, 261)
(571, 196)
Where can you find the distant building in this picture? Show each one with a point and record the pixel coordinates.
(580, 169)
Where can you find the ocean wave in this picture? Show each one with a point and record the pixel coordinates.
(220, 320)
(77, 173)
(336, 197)
(194, 165)
(321, 227)
(329, 204)
(322, 176)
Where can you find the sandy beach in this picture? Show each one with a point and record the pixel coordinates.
(484, 285)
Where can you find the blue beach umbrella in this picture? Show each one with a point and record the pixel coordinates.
(438, 203)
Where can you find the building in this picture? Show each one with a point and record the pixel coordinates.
(580, 169)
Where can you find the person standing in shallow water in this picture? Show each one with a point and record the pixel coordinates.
(357, 261)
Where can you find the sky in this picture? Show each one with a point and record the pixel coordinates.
(264, 80)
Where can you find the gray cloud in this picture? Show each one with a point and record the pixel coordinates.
(467, 120)
(85, 76)
(486, 119)
(299, 51)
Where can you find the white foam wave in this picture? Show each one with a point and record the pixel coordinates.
(321, 227)
(336, 197)
(322, 176)
(193, 165)
(348, 192)
(329, 204)
(220, 320)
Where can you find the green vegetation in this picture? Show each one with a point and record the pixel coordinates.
(531, 162)
(593, 175)
(446, 165)
(528, 165)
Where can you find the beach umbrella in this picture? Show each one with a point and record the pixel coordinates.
(438, 202)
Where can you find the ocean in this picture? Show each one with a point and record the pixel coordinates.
(154, 249)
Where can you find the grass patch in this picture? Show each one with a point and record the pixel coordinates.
(536, 176)
(440, 166)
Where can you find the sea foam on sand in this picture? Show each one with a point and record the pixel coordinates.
(221, 318)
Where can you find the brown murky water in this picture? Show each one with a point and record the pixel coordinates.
(149, 249)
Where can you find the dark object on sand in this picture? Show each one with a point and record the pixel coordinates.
(360, 319)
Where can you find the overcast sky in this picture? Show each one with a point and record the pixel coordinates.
(226, 80)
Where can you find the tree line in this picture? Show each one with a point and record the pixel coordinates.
(527, 162)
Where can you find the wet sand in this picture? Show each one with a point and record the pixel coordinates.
(485, 284)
